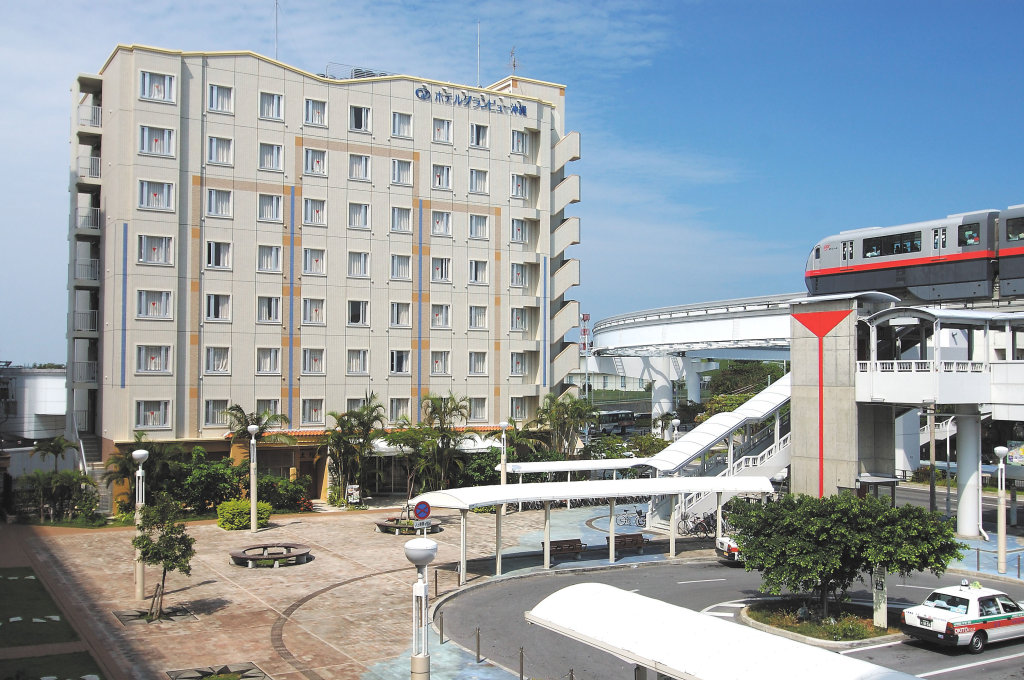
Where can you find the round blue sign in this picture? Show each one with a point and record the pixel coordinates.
(422, 510)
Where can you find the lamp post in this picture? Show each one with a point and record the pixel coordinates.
(139, 456)
(252, 429)
(421, 552)
(504, 462)
(932, 503)
(675, 429)
(946, 425)
(1001, 452)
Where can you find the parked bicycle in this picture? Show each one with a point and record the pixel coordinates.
(693, 525)
(636, 517)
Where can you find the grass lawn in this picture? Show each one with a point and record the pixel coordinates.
(60, 665)
(41, 621)
(847, 621)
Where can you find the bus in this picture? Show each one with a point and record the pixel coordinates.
(614, 422)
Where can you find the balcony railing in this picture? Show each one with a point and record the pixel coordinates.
(88, 270)
(87, 321)
(88, 218)
(90, 116)
(921, 366)
(85, 371)
(89, 166)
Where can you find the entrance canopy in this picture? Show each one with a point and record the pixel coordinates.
(685, 644)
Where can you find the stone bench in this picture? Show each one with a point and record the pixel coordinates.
(567, 546)
(249, 556)
(629, 542)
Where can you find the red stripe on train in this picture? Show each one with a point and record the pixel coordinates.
(897, 264)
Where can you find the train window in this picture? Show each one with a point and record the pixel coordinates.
(938, 239)
(894, 244)
(970, 234)
(1015, 229)
(817, 252)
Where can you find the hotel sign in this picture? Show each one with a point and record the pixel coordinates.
(479, 101)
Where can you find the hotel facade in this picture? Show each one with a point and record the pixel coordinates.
(242, 231)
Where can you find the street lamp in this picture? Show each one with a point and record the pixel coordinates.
(946, 425)
(421, 552)
(252, 429)
(675, 428)
(139, 456)
(504, 462)
(1001, 452)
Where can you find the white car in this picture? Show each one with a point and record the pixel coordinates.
(965, 615)
(727, 549)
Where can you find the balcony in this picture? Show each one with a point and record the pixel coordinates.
(567, 276)
(565, 319)
(87, 321)
(88, 218)
(565, 151)
(567, 234)
(87, 271)
(917, 382)
(567, 191)
(88, 167)
(90, 116)
(84, 371)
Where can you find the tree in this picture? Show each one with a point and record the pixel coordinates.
(743, 376)
(443, 414)
(823, 545)
(239, 422)
(722, 403)
(55, 447)
(162, 541)
(564, 417)
(208, 484)
(350, 442)
(518, 441)
(646, 445)
(166, 468)
(414, 443)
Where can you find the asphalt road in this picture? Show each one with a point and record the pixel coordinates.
(497, 609)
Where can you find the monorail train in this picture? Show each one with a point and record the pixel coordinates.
(960, 257)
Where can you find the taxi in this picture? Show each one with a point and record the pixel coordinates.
(726, 548)
(964, 616)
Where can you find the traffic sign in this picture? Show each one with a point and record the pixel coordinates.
(421, 524)
(422, 510)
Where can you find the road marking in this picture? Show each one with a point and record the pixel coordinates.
(727, 615)
(904, 585)
(970, 665)
(635, 590)
(738, 605)
(878, 646)
(707, 580)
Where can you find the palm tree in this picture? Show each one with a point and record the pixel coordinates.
(564, 417)
(55, 447)
(239, 422)
(414, 442)
(350, 441)
(166, 467)
(442, 414)
(519, 440)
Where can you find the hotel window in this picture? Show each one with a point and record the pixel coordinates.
(359, 118)
(218, 360)
(268, 360)
(156, 195)
(154, 249)
(477, 408)
(398, 409)
(570, 379)
(268, 258)
(313, 261)
(156, 86)
(312, 411)
(218, 307)
(442, 177)
(218, 255)
(477, 316)
(152, 414)
(269, 208)
(401, 171)
(517, 408)
(440, 316)
(519, 232)
(518, 278)
(313, 311)
(518, 363)
(401, 267)
(477, 271)
(518, 322)
(220, 99)
(216, 412)
(219, 151)
(442, 130)
(358, 216)
(271, 106)
(316, 112)
(478, 181)
(400, 361)
(440, 269)
(518, 189)
(355, 403)
(478, 363)
(401, 219)
(401, 124)
(358, 313)
(315, 162)
(358, 360)
(268, 309)
(478, 226)
(441, 224)
(519, 141)
(622, 382)
(358, 264)
(154, 304)
(218, 203)
(268, 406)
(314, 211)
(439, 363)
(270, 156)
(153, 359)
(312, 360)
(156, 141)
(400, 314)
(358, 166)
(478, 135)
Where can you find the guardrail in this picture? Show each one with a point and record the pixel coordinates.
(901, 366)
(765, 304)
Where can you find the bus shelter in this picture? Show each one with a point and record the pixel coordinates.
(467, 498)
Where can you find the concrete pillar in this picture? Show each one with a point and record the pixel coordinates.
(692, 379)
(462, 547)
(908, 441)
(659, 368)
(497, 542)
(672, 519)
(611, 531)
(547, 534)
(968, 477)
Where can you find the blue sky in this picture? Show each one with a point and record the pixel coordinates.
(721, 138)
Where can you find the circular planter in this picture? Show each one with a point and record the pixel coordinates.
(403, 527)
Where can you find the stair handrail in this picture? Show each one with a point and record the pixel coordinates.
(81, 446)
(743, 463)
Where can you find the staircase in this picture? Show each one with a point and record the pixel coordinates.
(93, 453)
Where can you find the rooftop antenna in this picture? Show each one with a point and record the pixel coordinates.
(276, 5)
(512, 61)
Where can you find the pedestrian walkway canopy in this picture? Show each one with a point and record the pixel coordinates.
(686, 644)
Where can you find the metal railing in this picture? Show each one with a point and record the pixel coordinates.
(88, 270)
(89, 166)
(87, 320)
(901, 366)
(88, 218)
(90, 116)
(85, 371)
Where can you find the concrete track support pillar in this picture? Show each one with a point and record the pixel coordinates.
(968, 477)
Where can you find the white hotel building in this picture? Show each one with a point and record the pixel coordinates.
(243, 231)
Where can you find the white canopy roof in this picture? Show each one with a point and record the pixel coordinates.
(575, 465)
(478, 496)
(686, 644)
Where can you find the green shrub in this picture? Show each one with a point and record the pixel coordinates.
(284, 494)
(235, 514)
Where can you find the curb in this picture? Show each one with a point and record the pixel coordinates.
(834, 645)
